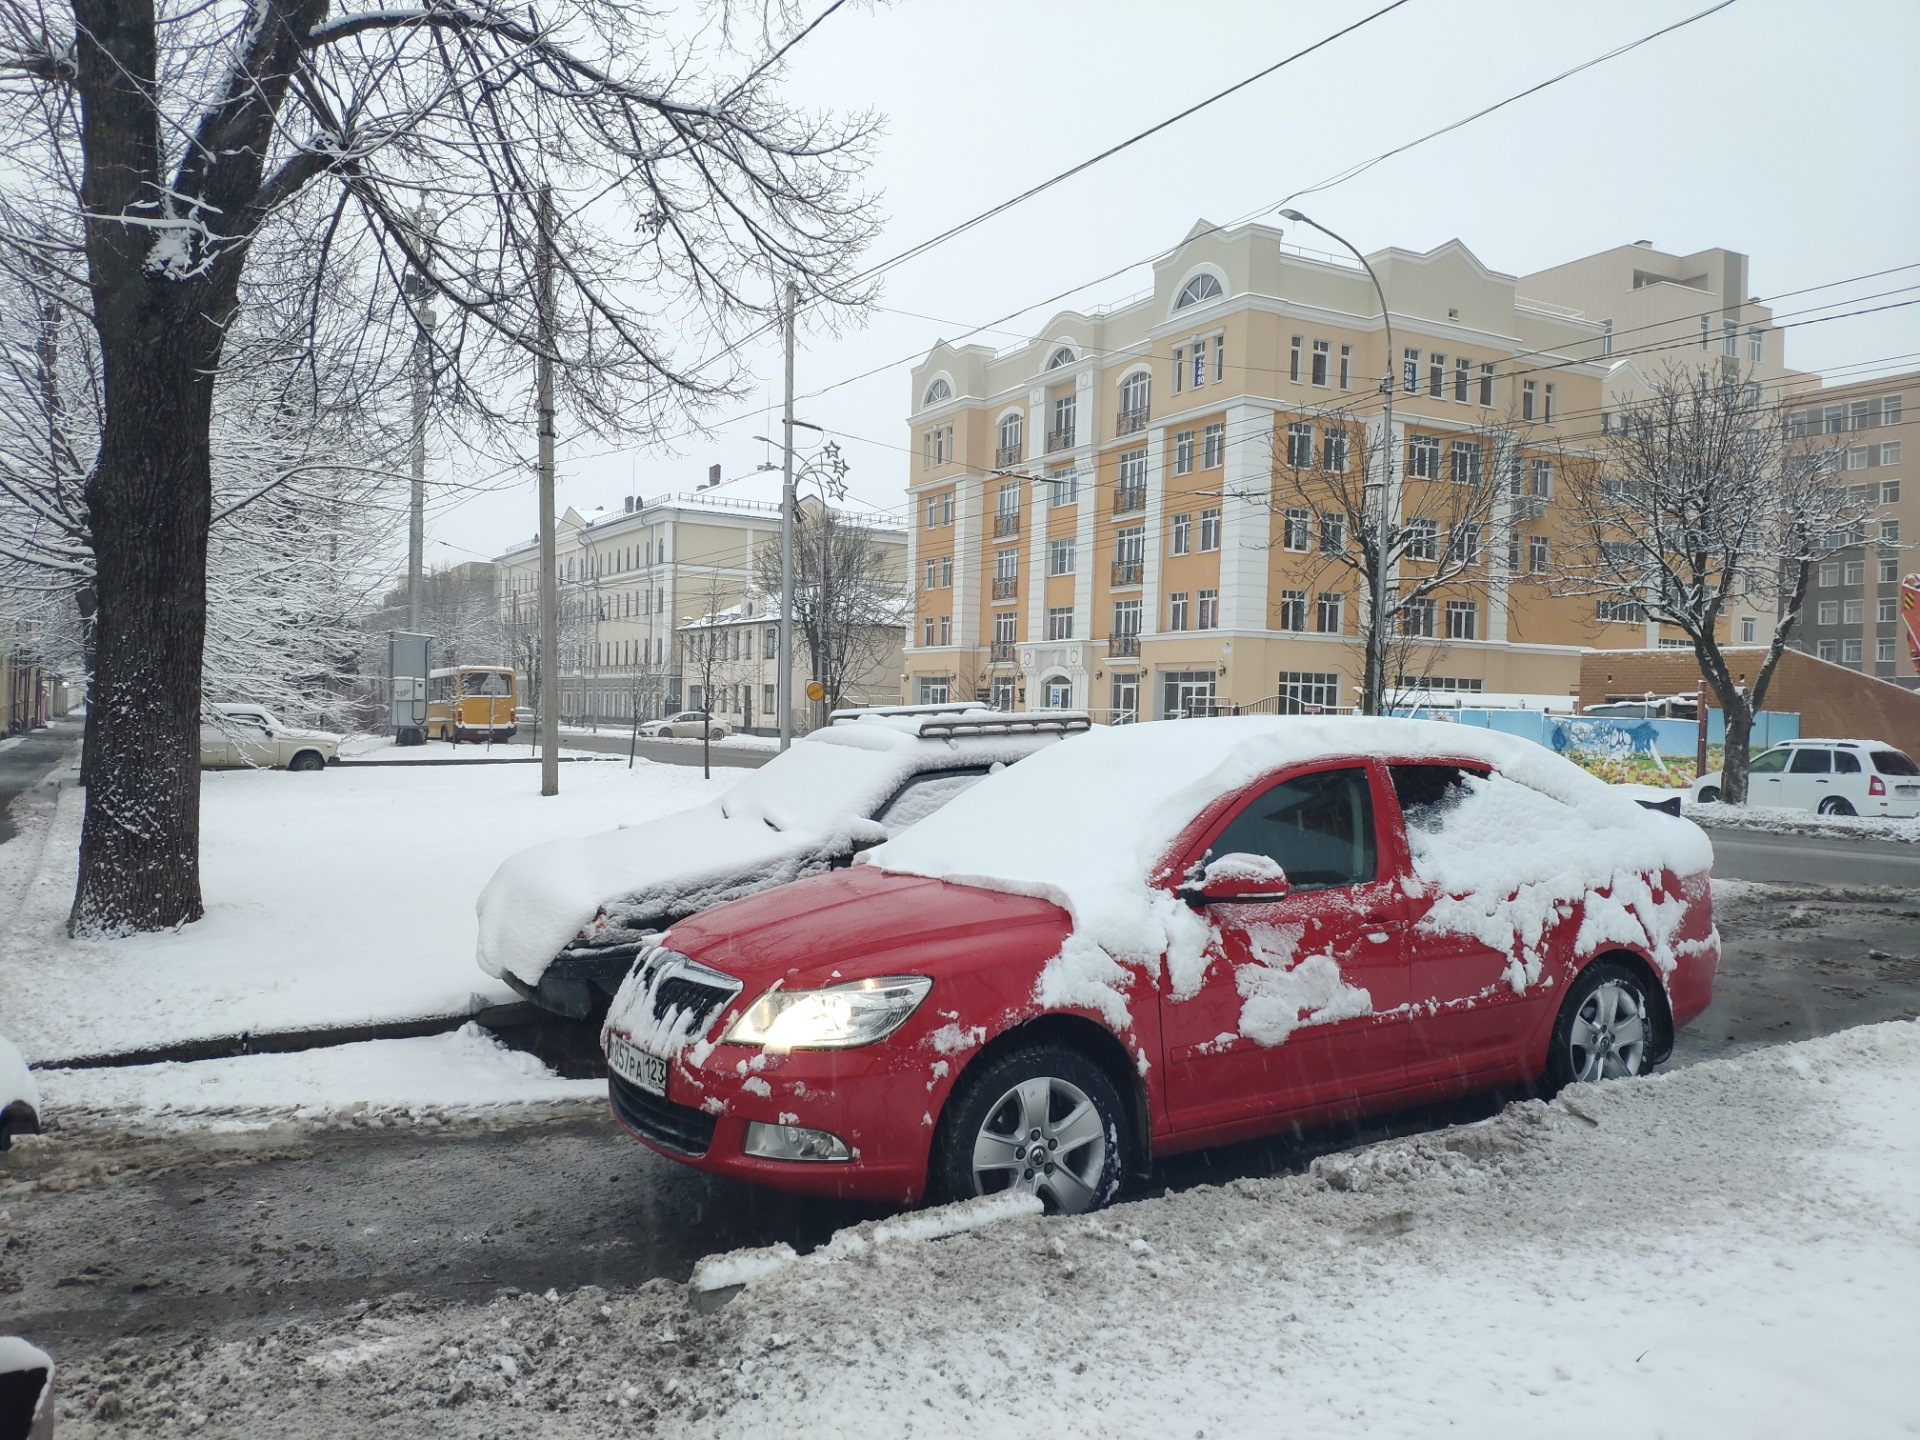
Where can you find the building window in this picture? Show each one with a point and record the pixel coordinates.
(1293, 609)
(1466, 462)
(1177, 610)
(1182, 540)
(1883, 650)
(1126, 617)
(1333, 532)
(933, 689)
(1730, 339)
(1463, 619)
(1199, 289)
(1410, 371)
(1889, 532)
(1890, 410)
(1856, 457)
(1003, 628)
(1214, 445)
(1829, 612)
(1706, 330)
(1130, 482)
(1064, 410)
(1011, 429)
(1850, 651)
(1183, 453)
(1542, 479)
(1059, 622)
(1298, 530)
(1423, 457)
(1417, 618)
(937, 392)
(1208, 610)
(946, 630)
(1326, 612)
(932, 576)
(1627, 611)
(1422, 539)
(1060, 556)
(1829, 650)
(936, 446)
(1463, 545)
(939, 510)
(1749, 629)
(1346, 367)
(1486, 383)
(1546, 408)
(1064, 486)
(1006, 573)
(1890, 454)
(926, 632)
(1756, 345)
(1179, 362)
(1299, 445)
(1462, 379)
(1537, 550)
(1130, 550)
(1308, 692)
(1334, 451)
(1606, 337)
(1853, 612)
(1529, 399)
(1199, 363)
(1209, 529)
(1293, 368)
(1437, 376)
(1889, 572)
(1134, 397)
(1321, 351)
(1855, 572)
(770, 645)
(1828, 574)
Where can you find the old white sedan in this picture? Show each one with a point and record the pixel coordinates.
(687, 725)
(235, 737)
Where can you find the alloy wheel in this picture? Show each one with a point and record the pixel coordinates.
(1044, 1135)
(1609, 1034)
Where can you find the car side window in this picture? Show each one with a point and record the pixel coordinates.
(1811, 762)
(1318, 828)
(1894, 762)
(1845, 762)
(1771, 763)
(921, 795)
(1427, 792)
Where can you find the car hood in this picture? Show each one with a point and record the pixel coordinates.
(643, 875)
(851, 924)
(290, 732)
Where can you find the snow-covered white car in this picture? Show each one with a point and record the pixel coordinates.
(1833, 777)
(19, 1096)
(687, 725)
(562, 922)
(251, 737)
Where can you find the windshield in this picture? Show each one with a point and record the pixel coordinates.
(924, 794)
(483, 682)
(1894, 762)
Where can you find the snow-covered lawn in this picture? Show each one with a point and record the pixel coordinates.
(380, 750)
(332, 899)
(1728, 1250)
(1804, 822)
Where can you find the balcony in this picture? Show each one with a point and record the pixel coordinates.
(1129, 499)
(1060, 439)
(1119, 647)
(1002, 652)
(1005, 588)
(1007, 522)
(1131, 422)
(1006, 455)
(1126, 572)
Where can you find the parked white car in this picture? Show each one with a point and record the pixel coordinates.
(250, 737)
(685, 726)
(1834, 777)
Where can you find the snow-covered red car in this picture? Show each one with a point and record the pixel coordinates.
(563, 922)
(1165, 937)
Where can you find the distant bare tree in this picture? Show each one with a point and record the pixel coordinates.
(1702, 497)
(848, 599)
(707, 657)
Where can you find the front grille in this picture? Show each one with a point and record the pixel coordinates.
(678, 1128)
(678, 992)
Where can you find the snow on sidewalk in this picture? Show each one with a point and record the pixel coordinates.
(1732, 1249)
(1772, 820)
(332, 899)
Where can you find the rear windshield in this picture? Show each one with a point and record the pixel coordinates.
(1894, 762)
(924, 794)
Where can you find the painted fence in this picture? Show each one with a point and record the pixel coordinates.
(1598, 736)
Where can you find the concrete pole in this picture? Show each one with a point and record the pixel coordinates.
(549, 586)
(785, 677)
(425, 320)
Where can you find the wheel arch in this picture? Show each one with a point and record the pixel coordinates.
(300, 755)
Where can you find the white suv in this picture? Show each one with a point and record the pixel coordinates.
(1834, 777)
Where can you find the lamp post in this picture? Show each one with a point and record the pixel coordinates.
(1373, 691)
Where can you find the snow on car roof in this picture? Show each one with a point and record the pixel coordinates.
(1084, 825)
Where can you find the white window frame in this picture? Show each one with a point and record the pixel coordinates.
(1209, 529)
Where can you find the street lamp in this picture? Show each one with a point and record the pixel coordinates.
(1373, 696)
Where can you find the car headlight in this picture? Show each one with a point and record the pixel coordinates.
(836, 1018)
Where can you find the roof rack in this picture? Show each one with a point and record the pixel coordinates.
(950, 707)
(1041, 722)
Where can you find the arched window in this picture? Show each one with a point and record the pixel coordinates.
(1133, 398)
(1010, 434)
(1200, 287)
(936, 392)
(1062, 356)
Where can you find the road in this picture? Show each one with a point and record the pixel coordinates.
(1811, 860)
(668, 752)
(24, 765)
(220, 1235)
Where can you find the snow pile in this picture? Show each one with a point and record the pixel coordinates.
(1731, 1249)
(1769, 820)
(784, 820)
(1089, 825)
(16, 1081)
(371, 1082)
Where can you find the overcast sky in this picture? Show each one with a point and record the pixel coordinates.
(1782, 129)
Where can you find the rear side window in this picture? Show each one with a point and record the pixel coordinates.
(1771, 763)
(924, 794)
(1893, 762)
(1427, 792)
(1811, 762)
(1845, 762)
(1318, 828)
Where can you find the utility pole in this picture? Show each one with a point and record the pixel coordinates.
(424, 320)
(785, 678)
(549, 586)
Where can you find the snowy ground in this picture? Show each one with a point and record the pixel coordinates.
(380, 750)
(1804, 822)
(332, 899)
(1731, 1249)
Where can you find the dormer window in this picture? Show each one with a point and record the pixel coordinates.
(936, 392)
(1199, 289)
(1062, 356)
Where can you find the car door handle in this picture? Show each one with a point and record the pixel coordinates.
(1377, 937)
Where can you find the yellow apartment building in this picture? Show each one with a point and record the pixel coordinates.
(1131, 512)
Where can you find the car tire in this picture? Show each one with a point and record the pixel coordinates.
(1834, 805)
(1607, 1027)
(306, 760)
(1048, 1095)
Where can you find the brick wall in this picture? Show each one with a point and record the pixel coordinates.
(1830, 699)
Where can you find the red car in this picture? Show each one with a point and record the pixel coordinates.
(1163, 937)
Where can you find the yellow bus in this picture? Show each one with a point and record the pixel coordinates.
(471, 702)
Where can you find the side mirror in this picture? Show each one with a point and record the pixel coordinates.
(1234, 878)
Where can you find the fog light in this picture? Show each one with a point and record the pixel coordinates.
(794, 1142)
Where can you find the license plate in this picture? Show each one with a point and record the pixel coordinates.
(1905, 791)
(632, 1063)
